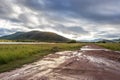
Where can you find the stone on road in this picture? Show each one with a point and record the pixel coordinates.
(91, 62)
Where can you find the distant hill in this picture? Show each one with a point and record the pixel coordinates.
(116, 40)
(36, 36)
(106, 41)
(112, 41)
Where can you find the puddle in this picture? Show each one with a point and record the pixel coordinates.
(89, 48)
(44, 69)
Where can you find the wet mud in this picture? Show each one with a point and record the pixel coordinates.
(91, 62)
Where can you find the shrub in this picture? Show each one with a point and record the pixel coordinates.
(72, 41)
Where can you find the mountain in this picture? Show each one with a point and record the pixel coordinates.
(107, 41)
(116, 40)
(92, 40)
(36, 36)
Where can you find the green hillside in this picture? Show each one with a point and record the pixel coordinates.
(36, 36)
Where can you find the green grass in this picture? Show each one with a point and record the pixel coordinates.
(3, 40)
(14, 56)
(112, 46)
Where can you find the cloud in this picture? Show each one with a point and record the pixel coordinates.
(5, 8)
(4, 31)
(102, 11)
(79, 18)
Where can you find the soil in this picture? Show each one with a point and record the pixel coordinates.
(91, 62)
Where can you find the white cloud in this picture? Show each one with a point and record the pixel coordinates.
(80, 20)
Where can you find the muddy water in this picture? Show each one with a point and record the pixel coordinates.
(91, 62)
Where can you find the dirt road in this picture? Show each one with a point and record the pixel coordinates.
(91, 62)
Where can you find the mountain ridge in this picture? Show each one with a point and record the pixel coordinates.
(36, 36)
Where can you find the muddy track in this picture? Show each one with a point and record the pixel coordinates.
(91, 62)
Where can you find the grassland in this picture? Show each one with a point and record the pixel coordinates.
(14, 56)
(3, 40)
(112, 46)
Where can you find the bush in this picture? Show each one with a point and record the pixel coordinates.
(72, 41)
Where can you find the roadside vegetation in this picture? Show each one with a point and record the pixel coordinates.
(112, 46)
(14, 56)
(3, 40)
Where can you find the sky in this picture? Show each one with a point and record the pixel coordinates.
(74, 19)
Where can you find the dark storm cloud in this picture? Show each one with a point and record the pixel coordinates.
(77, 17)
(5, 9)
(95, 10)
(100, 11)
